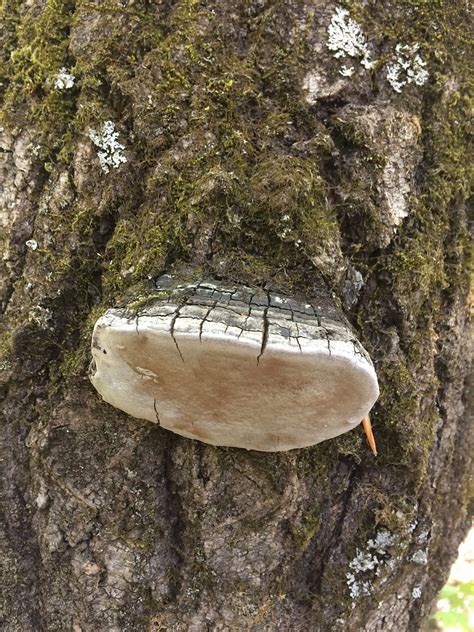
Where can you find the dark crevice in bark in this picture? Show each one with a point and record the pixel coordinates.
(264, 334)
(201, 466)
(176, 519)
(156, 412)
(172, 326)
(21, 551)
(203, 320)
(309, 573)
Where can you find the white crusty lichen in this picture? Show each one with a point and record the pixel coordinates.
(420, 557)
(372, 567)
(346, 71)
(32, 244)
(383, 540)
(42, 316)
(408, 67)
(369, 562)
(416, 592)
(64, 80)
(111, 151)
(346, 38)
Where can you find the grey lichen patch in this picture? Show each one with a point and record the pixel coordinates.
(407, 67)
(235, 366)
(110, 152)
(372, 565)
(344, 45)
(346, 39)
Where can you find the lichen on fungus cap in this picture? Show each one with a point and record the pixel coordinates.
(232, 366)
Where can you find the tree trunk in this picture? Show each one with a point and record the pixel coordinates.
(263, 143)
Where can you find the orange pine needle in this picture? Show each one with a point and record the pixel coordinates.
(367, 426)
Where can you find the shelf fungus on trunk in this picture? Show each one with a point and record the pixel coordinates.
(232, 366)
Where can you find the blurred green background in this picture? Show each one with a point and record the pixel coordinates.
(455, 607)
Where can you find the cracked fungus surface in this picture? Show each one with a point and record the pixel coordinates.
(231, 366)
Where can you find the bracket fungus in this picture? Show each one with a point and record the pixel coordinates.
(233, 366)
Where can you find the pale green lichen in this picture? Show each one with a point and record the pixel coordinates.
(346, 38)
(408, 67)
(64, 80)
(111, 154)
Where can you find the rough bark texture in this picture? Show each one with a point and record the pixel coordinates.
(255, 155)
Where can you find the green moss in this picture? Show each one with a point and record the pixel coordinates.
(353, 444)
(304, 533)
(41, 46)
(146, 300)
(434, 260)
(317, 461)
(41, 49)
(187, 81)
(75, 361)
(5, 349)
(9, 19)
(428, 261)
(203, 86)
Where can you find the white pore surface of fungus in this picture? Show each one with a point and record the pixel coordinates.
(111, 151)
(232, 366)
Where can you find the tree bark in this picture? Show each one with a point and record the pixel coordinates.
(248, 142)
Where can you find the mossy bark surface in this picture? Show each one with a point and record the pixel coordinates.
(254, 157)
